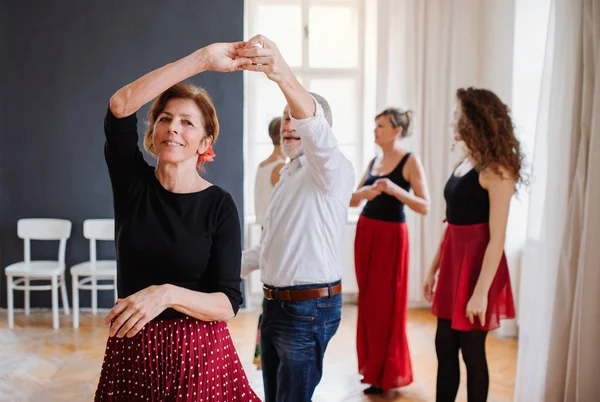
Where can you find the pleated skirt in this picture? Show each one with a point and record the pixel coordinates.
(174, 360)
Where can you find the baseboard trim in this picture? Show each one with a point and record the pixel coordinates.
(48, 309)
(508, 329)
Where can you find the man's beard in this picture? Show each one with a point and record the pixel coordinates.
(292, 149)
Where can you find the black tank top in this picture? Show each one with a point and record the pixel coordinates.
(467, 203)
(386, 207)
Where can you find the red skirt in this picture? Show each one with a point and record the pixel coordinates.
(174, 360)
(381, 261)
(461, 258)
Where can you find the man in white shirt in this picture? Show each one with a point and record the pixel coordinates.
(300, 251)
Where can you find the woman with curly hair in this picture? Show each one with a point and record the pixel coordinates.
(473, 290)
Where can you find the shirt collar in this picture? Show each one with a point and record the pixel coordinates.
(301, 160)
(296, 164)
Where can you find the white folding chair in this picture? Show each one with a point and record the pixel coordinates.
(94, 270)
(19, 274)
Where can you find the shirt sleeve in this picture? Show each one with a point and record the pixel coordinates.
(226, 254)
(251, 260)
(327, 164)
(123, 157)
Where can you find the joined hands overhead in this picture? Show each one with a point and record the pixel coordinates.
(258, 54)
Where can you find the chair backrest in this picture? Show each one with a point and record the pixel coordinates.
(44, 229)
(98, 229)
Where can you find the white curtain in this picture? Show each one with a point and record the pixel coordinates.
(559, 353)
(426, 51)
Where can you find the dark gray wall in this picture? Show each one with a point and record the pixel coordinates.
(4, 59)
(4, 79)
(64, 61)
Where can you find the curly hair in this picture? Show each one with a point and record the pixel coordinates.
(274, 130)
(487, 130)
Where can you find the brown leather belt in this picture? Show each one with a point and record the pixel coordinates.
(301, 294)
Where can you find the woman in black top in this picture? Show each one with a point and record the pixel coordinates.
(473, 291)
(381, 254)
(178, 244)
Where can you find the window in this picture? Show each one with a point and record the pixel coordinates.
(531, 29)
(322, 41)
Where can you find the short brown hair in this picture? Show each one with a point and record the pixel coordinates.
(399, 118)
(183, 90)
(275, 130)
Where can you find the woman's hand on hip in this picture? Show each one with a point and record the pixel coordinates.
(129, 315)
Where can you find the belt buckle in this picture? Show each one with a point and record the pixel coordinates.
(271, 293)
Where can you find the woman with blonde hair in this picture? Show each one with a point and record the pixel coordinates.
(381, 254)
(178, 244)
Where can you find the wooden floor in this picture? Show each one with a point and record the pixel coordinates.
(40, 364)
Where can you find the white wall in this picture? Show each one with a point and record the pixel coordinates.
(496, 73)
(496, 47)
(513, 47)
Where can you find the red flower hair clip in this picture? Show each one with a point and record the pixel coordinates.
(207, 156)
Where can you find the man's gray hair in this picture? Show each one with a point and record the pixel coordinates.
(326, 108)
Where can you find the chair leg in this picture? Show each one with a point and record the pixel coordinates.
(9, 294)
(94, 295)
(63, 292)
(54, 302)
(74, 281)
(27, 298)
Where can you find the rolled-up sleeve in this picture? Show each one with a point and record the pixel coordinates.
(329, 167)
(251, 260)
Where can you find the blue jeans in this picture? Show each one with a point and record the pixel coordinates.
(293, 339)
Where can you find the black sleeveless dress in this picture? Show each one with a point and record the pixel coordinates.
(386, 207)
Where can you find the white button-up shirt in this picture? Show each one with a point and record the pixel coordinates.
(308, 212)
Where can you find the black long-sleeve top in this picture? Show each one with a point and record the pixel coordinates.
(190, 240)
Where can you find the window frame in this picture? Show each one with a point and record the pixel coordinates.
(305, 73)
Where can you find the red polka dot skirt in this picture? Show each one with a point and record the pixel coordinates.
(174, 360)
